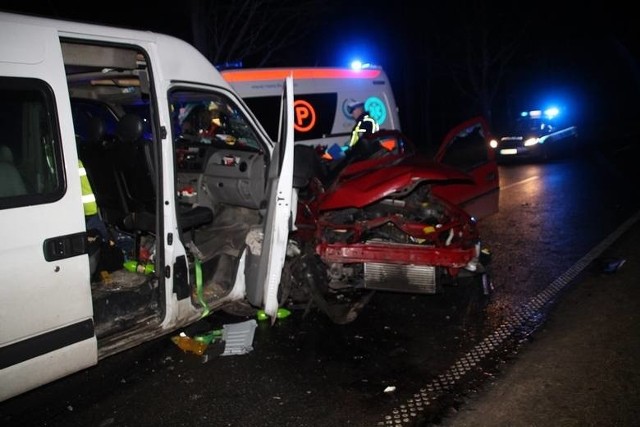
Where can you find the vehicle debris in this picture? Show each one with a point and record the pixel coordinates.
(611, 265)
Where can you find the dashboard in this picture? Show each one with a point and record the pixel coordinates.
(215, 175)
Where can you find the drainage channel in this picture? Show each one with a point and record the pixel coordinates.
(433, 399)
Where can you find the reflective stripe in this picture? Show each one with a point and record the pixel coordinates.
(358, 131)
(90, 208)
(88, 198)
(374, 125)
(355, 135)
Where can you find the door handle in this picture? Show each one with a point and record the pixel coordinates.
(68, 246)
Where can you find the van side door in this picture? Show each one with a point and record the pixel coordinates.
(46, 314)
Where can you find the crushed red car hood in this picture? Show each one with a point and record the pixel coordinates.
(368, 181)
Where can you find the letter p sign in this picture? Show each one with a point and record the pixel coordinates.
(305, 116)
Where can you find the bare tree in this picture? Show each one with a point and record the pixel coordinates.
(477, 46)
(237, 30)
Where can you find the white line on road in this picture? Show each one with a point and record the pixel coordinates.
(531, 178)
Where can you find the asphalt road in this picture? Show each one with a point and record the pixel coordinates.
(402, 350)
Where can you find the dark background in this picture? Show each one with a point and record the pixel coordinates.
(582, 56)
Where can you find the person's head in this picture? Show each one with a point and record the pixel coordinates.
(355, 108)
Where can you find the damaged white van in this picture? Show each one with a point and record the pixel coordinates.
(198, 207)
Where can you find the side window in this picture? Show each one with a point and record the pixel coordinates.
(208, 119)
(267, 110)
(30, 158)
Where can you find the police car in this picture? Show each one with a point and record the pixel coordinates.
(537, 134)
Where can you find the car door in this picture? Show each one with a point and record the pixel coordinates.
(46, 314)
(466, 147)
(278, 218)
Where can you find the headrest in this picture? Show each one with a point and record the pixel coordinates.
(95, 129)
(130, 128)
(6, 155)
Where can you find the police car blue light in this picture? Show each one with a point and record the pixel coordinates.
(537, 134)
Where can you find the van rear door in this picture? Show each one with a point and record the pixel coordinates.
(46, 319)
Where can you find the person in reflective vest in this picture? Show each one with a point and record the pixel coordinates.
(90, 205)
(365, 124)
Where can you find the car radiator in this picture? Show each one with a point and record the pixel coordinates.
(400, 278)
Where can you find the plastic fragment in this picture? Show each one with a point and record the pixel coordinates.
(280, 314)
(209, 337)
(613, 265)
(238, 337)
(188, 344)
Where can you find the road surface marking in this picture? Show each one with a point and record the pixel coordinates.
(519, 182)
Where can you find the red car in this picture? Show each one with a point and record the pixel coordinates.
(467, 148)
(387, 218)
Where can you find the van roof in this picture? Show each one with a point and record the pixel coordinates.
(176, 60)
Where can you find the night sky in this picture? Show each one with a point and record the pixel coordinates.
(583, 55)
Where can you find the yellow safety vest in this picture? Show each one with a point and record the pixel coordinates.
(359, 130)
(88, 198)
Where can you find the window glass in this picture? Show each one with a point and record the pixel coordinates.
(208, 119)
(30, 157)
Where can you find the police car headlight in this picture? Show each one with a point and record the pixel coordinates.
(531, 141)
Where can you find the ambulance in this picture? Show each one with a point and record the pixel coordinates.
(321, 96)
(197, 217)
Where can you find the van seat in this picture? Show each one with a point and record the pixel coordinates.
(138, 177)
(97, 151)
(11, 182)
(6, 155)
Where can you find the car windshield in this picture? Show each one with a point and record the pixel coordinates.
(528, 125)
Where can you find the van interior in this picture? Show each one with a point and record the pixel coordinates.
(220, 177)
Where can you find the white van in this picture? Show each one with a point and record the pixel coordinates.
(190, 205)
(321, 99)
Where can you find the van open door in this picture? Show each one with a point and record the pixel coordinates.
(278, 220)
